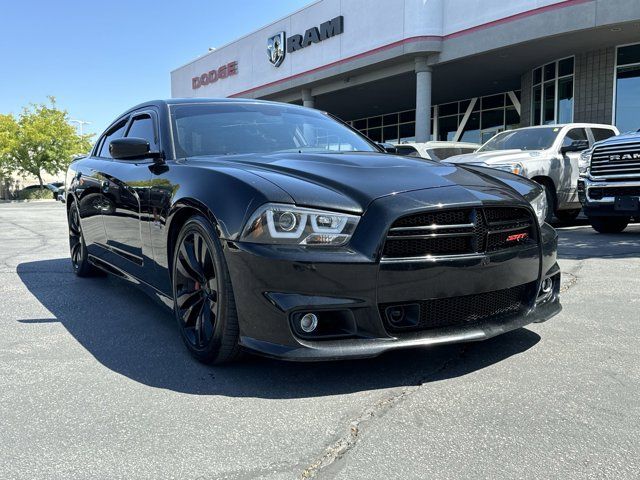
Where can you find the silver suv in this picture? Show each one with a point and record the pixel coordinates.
(548, 154)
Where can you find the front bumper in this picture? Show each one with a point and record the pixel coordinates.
(598, 198)
(275, 285)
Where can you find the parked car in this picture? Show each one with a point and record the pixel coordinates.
(609, 185)
(436, 150)
(548, 154)
(246, 219)
(52, 187)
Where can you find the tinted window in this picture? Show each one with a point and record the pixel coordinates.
(602, 133)
(239, 128)
(628, 99)
(116, 132)
(573, 135)
(523, 139)
(142, 127)
(407, 150)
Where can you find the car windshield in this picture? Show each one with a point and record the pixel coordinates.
(523, 139)
(240, 128)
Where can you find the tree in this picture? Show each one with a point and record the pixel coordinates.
(8, 134)
(44, 141)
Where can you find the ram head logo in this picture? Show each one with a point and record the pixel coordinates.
(275, 49)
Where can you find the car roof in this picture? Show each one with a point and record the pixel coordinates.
(438, 143)
(572, 125)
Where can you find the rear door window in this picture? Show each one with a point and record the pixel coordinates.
(602, 133)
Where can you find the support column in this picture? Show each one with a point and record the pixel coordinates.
(307, 98)
(423, 99)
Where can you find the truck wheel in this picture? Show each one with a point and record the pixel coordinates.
(551, 203)
(609, 224)
(568, 215)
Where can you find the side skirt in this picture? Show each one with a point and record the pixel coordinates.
(150, 290)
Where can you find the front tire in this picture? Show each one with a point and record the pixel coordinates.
(77, 247)
(609, 224)
(203, 299)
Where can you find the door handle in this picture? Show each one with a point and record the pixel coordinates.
(105, 186)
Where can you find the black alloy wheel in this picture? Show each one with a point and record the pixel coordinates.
(77, 246)
(203, 297)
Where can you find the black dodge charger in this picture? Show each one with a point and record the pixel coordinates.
(280, 230)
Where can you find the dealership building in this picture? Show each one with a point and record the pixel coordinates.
(401, 70)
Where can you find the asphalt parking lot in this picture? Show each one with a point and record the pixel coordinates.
(95, 383)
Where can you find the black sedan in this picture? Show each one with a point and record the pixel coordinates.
(280, 230)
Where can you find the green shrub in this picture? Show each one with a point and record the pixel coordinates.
(35, 194)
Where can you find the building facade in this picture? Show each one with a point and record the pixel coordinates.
(438, 69)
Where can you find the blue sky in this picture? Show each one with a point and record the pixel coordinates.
(99, 58)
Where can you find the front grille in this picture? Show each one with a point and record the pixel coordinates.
(598, 193)
(616, 161)
(467, 309)
(460, 232)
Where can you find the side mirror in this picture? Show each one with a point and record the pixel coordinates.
(131, 148)
(388, 147)
(575, 146)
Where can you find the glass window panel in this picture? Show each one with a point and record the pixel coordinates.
(476, 107)
(375, 134)
(390, 119)
(602, 133)
(565, 100)
(494, 101)
(360, 124)
(390, 134)
(565, 67)
(492, 119)
(409, 116)
(549, 71)
(537, 105)
(537, 75)
(116, 132)
(629, 54)
(512, 119)
(407, 132)
(573, 135)
(375, 122)
(142, 127)
(447, 127)
(548, 114)
(628, 99)
(471, 132)
(464, 105)
(448, 109)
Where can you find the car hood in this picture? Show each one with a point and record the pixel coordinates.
(351, 181)
(496, 157)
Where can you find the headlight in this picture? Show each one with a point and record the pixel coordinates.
(584, 161)
(287, 224)
(516, 168)
(540, 206)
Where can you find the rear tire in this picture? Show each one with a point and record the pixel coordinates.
(609, 224)
(568, 215)
(204, 304)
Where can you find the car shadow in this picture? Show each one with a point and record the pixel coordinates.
(129, 333)
(582, 242)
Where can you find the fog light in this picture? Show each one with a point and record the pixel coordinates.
(395, 315)
(547, 285)
(308, 322)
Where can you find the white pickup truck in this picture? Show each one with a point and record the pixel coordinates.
(548, 154)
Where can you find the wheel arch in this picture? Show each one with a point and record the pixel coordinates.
(180, 213)
(548, 183)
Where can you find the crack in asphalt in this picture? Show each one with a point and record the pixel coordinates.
(352, 436)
